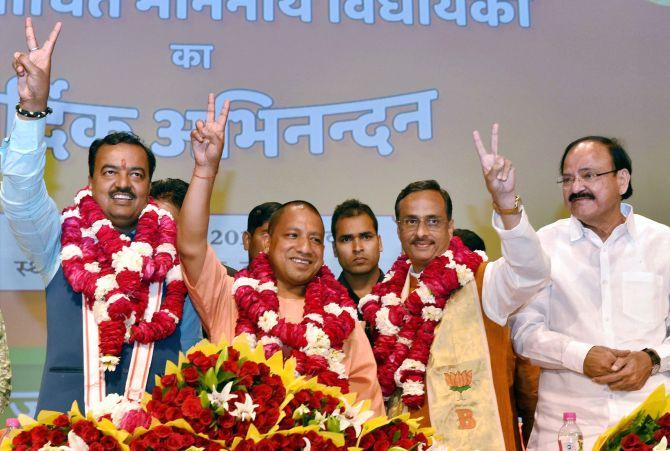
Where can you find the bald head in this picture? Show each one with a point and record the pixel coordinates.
(299, 204)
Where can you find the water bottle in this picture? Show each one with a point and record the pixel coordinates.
(570, 438)
(11, 424)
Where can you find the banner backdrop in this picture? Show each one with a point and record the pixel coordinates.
(333, 99)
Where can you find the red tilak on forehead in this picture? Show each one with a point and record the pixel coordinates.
(123, 163)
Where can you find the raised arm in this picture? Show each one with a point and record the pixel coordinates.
(32, 215)
(207, 140)
(511, 281)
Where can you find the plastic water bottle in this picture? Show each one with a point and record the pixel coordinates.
(11, 424)
(570, 438)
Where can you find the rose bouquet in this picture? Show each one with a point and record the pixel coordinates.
(647, 428)
(228, 397)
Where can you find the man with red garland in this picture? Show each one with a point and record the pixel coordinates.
(431, 346)
(287, 299)
(111, 271)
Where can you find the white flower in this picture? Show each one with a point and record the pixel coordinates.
(315, 317)
(70, 251)
(352, 416)
(430, 313)
(168, 248)
(144, 249)
(384, 324)
(92, 267)
(320, 419)
(270, 286)
(389, 275)
(104, 285)
(365, 299)
(464, 274)
(300, 411)
(268, 320)
(115, 405)
(335, 359)
(391, 299)
(220, 399)
(245, 410)
(308, 444)
(81, 194)
(332, 308)
(128, 323)
(173, 274)
(662, 445)
(483, 255)
(425, 294)
(109, 362)
(128, 259)
(266, 340)
(74, 213)
(244, 282)
(408, 364)
(448, 254)
(316, 338)
(49, 447)
(97, 225)
(251, 339)
(100, 311)
(412, 388)
(75, 442)
(88, 233)
(405, 341)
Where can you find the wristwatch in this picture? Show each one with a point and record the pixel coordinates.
(655, 360)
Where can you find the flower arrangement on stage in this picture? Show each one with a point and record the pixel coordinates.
(647, 428)
(226, 397)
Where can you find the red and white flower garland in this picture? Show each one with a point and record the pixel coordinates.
(316, 342)
(406, 329)
(114, 273)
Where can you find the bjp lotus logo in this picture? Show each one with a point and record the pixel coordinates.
(459, 381)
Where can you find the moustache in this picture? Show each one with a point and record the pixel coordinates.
(583, 195)
(123, 191)
(420, 241)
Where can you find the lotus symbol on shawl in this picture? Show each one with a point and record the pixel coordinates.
(459, 381)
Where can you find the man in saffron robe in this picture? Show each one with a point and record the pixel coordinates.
(431, 345)
(287, 299)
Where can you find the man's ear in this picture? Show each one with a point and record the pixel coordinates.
(623, 179)
(266, 242)
(381, 245)
(246, 240)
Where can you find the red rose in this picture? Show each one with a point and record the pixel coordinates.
(57, 437)
(261, 392)
(190, 374)
(90, 435)
(174, 441)
(62, 421)
(169, 380)
(109, 442)
(632, 442)
(191, 408)
(162, 431)
(664, 421)
(663, 432)
(202, 362)
(172, 413)
(22, 439)
(38, 435)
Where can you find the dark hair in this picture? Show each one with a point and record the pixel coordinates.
(172, 190)
(350, 208)
(261, 214)
(280, 211)
(620, 157)
(471, 240)
(119, 138)
(424, 185)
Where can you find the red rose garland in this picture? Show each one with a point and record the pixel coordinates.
(316, 342)
(405, 330)
(114, 273)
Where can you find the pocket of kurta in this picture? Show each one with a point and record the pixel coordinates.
(641, 297)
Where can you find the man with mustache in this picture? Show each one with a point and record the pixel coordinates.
(431, 344)
(105, 266)
(287, 299)
(599, 330)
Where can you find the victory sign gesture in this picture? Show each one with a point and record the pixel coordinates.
(207, 140)
(499, 175)
(34, 69)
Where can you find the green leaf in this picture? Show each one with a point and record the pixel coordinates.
(396, 437)
(204, 400)
(333, 424)
(222, 358)
(209, 379)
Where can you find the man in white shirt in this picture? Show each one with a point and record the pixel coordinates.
(599, 330)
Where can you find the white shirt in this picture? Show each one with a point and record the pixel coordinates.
(614, 294)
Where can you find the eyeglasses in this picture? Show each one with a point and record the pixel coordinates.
(584, 176)
(412, 222)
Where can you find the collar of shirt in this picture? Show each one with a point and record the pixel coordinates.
(352, 293)
(577, 229)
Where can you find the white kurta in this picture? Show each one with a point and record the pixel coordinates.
(614, 294)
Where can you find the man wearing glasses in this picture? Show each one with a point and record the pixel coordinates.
(599, 330)
(430, 343)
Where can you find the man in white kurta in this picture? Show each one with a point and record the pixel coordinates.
(607, 301)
